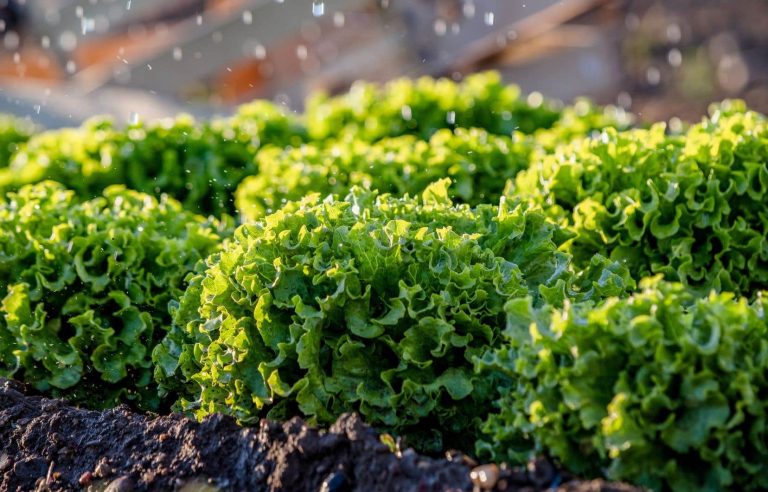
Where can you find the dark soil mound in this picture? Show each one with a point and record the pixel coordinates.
(48, 445)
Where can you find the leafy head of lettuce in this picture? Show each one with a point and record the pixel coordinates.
(479, 164)
(421, 107)
(369, 303)
(85, 287)
(691, 207)
(198, 163)
(663, 389)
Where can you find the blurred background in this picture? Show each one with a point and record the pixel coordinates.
(62, 61)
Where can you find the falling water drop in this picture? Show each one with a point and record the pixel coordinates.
(489, 18)
(406, 112)
(468, 9)
(318, 8)
(87, 25)
(440, 27)
(260, 52)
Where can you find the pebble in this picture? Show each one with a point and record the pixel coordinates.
(103, 470)
(85, 479)
(335, 482)
(485, 476)
(122, 484)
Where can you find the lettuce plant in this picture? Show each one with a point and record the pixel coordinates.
(371, 303)
(199, 164)
(691, 207)
(479, 163)
(663, 389)
(85, 288)
(421, 107)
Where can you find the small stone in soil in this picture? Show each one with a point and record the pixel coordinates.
(122, 484)
(485, 476)
(335, 482)
(103, 470)
(85, 478)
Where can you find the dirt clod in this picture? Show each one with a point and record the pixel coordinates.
(485, 476)
(103, 470)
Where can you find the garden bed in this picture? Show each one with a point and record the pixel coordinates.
(49, 445)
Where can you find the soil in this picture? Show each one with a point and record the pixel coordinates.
(48, 445)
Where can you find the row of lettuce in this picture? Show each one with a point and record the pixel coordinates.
(202, 163)
(474, 271)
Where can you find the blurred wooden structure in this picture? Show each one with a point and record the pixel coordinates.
(227, 51)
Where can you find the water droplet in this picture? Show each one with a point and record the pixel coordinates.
(450, 117)
(134, 118)
(128, 5)
(45, 42)
(260, 51)
(406, 112)
(468, 9)
(625, 100)
(177, 54)
(71, 67)
(199, 19)
(247, 17)
(301, 52)
(37, 108)
(68, 41)
(535, 99)
(440, 27)
(675, 57)
(318, 8)
(675, 125)
(11, 40)
(489, 18)
(653, 76)
(338, 19)
(87, 25)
